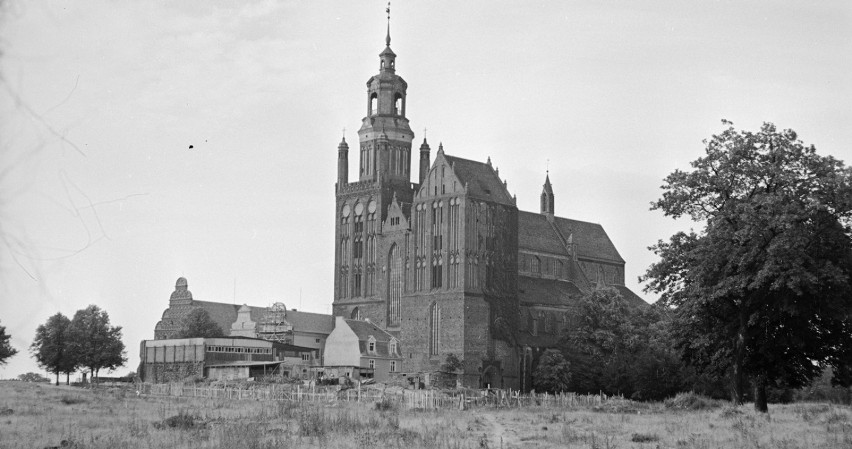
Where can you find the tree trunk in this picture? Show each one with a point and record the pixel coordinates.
(67, 378)
(57, 378)
(739, 358)
(760, 394)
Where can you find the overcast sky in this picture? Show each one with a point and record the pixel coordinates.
(103, 202)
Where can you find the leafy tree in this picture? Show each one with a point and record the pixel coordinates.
(553, 372)
(52, 346)
(32, 377)
(6, 349)
(763, 291)
(198, 323)
(96, 345)
(452, 364)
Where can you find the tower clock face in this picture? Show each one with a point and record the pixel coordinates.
(359, 209)
(345, 212)
(371, 208)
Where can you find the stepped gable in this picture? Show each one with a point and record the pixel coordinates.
(535, 233)
(538, 291)
(481, 180)
(364, 330)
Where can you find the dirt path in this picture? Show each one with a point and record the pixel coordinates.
(499, 436)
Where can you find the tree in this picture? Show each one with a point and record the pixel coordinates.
(452, 364)
(6, 349)
(32, 377)
(763, 291)
(553, 373)
(198, 323)
(52, 346)
(96, 345)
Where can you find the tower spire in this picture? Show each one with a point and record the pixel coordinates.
(547, 199)
(387, 38)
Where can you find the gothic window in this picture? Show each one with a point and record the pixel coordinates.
(435, 330)
(356, 314)
(374, 101)
(560, 269)
(548, 324)
(394, 283)
(357, 277)
(437, 272)
(344, 282)
(535, 265)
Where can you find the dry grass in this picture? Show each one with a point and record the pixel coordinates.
(38, 416)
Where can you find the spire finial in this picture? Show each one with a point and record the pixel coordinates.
(387, 39)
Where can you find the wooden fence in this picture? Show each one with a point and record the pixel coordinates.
(411, 399)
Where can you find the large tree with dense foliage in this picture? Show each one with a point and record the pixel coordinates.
(52, 346)
(6, 349)
(619, 348)
(553, 373)
(763, 291)
(96, 345)
(197, 323)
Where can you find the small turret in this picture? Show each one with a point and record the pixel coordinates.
(424, 160)
(547, 200)
(342, 163)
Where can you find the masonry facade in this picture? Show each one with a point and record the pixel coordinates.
(449, 264)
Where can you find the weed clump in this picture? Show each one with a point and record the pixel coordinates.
(692, 401)
(71, 400)
(181, 421)
(644, 437)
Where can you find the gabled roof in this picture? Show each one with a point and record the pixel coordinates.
(629, 296)
(225, 314)
(551, 292)
(481, 180)
(365, 330)
(535, 233)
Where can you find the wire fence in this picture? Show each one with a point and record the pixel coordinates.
(410, 399)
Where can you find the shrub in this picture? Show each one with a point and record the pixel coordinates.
(692, 401)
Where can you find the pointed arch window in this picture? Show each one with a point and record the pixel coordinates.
(374, 101)
(435, 330)
(535, 265)
(398, 104)
(394, 283)
(356, 314)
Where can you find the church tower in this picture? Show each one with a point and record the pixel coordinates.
(371, 223)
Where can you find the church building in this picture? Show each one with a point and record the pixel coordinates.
(448, 264)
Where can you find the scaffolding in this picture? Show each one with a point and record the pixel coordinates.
(273, 325)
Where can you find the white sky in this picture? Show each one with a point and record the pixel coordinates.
(102, 202)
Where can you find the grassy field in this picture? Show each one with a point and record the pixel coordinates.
(39, 416)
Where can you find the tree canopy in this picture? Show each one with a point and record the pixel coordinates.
(52, 347)
(6, 349)
(763, 291)
(553, 373)
(197, 323)
(96, 345)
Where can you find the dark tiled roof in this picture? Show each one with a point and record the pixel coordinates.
(364, 330)
(225, 314)
(547, 291)
(537, 234)
(631, 298)
(590, 238)
(481, 180)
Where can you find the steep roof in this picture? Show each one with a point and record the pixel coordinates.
(629, 296)
(225, 314)
(550, 292)
(364, 330)
(481, 180)
(537, 234)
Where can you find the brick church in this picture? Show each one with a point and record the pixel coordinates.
(448, 264)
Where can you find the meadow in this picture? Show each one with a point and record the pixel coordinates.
(45, 416)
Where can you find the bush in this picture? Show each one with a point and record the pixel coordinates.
(692, 401)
